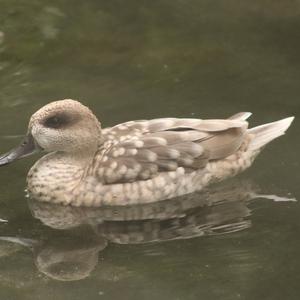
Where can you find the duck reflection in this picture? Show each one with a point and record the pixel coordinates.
(63, 257)
(71, 253)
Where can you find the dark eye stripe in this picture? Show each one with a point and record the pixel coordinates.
(53, 122)
(58, 121)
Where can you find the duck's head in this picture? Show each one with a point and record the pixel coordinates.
(64, 126)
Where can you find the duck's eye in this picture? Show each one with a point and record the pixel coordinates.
(56, 121)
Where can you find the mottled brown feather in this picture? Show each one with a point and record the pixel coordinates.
(143, 149)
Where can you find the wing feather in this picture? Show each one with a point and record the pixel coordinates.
(140, 150)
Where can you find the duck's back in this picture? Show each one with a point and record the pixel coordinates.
(141, 150)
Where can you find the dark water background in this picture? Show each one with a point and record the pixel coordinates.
(145, 59)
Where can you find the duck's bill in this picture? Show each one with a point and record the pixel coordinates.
(26, 148)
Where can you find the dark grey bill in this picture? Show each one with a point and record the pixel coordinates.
(26, 148)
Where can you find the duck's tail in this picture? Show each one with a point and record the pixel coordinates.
(266, 133)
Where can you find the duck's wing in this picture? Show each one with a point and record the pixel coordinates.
(140, 150)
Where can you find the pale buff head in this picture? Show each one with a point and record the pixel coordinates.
(65, 125)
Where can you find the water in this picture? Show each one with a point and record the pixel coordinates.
(146, 59)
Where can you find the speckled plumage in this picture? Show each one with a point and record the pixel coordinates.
(138, 161)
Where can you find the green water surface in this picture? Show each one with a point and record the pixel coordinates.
(146, 59)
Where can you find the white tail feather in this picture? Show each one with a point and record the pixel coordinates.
(266, 133)
(242, 116)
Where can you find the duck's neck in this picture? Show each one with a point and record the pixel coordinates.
(57, 174)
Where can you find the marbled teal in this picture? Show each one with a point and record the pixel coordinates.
(134, 162)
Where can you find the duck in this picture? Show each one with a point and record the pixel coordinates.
(135, 162)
